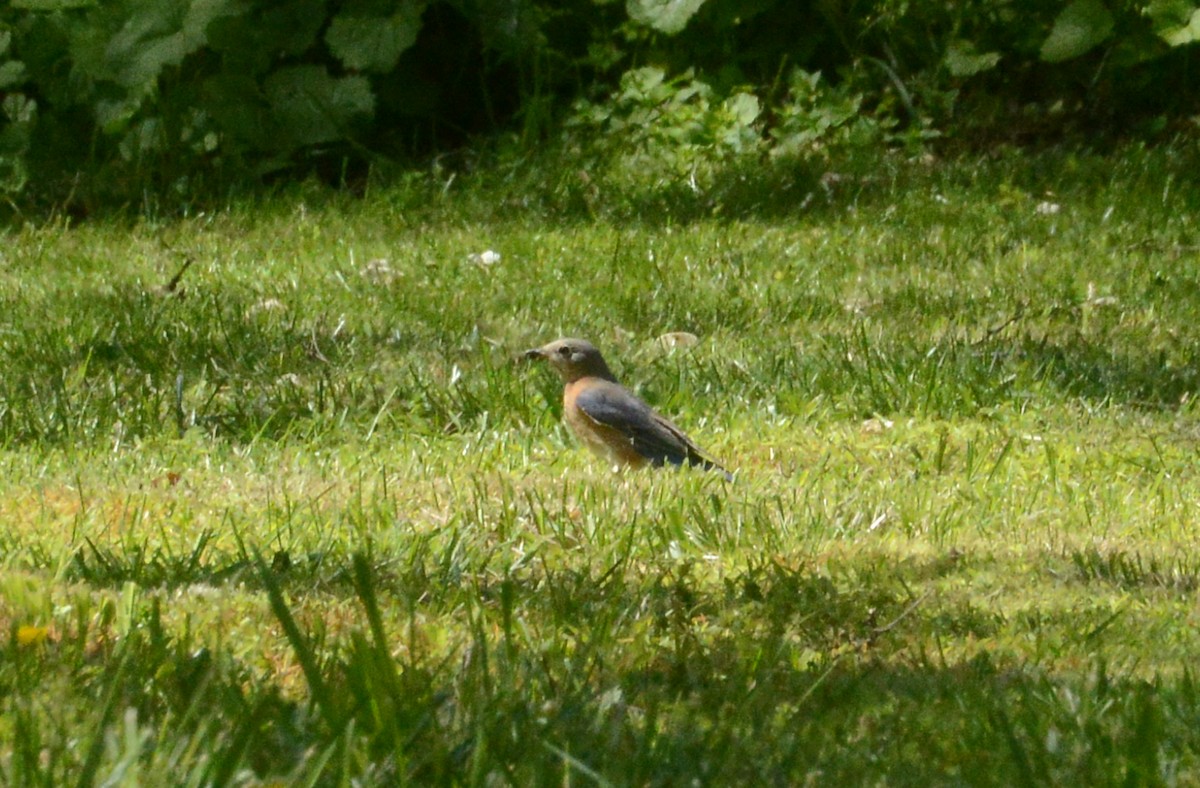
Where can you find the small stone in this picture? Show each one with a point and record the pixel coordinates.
(876, 425)
(678, 339)
(379, 271)
(266, 305)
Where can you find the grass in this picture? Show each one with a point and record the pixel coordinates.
(312, 523)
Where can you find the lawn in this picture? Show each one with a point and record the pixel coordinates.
(308, 519)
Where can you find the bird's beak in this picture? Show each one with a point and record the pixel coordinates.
(534, 354)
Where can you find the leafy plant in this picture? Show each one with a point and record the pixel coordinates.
(1175, 21)
(18, 116)
(168, 102)
(152, 98)
(676, 124)
(814, 117)
(1080, 27)
(681, 129)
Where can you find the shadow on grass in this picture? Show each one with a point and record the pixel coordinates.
(131, 368)
(132, 365)
(128, 365)
(127, 360)
(557, 187)
(1097, 372)
(951, 378)
(783, 677)
(778, 677)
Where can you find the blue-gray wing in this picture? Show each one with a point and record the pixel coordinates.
(651, 435)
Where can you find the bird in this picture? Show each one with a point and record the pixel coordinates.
(610, 419)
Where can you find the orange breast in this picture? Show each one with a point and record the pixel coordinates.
(611, 444)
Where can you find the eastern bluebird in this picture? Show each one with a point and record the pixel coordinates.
(610, 419)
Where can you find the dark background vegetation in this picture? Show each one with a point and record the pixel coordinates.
(176, 102)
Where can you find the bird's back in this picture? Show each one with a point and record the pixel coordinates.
(613, 420)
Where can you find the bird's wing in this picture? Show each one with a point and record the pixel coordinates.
(651, 435)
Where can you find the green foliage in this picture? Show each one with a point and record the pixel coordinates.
(310, 106)
(173, 102)
(665, 16)
(678, 129)
(1176, 21)
(674, 124)
(367, 37)
(962, 59)
(18, 114)
(1081, 27)
(154, 98)
(814, 117)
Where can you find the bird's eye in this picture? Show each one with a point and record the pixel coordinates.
(565, 350)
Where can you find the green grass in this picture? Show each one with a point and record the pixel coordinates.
(313, 523)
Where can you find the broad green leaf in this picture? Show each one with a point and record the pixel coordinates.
(144, 138)
(374, 43)
(13, 173)
(5, 41)
(1175, 21)
(254, 41)
(18, 108)
(739, 134)
(113, 115)
(744, 108)
(962, 60)
(1081, 26)
(11, 73)
(314, 107)
(644, 79)
(160, 35)
(665, 16)
(1169, 13)
(235, 103)
(1184, 35)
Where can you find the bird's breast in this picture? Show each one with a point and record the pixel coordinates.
(602, 439)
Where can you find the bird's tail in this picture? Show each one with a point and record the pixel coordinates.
(712, 466)
(709, 465)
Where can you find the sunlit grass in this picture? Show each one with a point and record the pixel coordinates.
(314, 521)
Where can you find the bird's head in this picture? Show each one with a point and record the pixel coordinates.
(572, 359)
